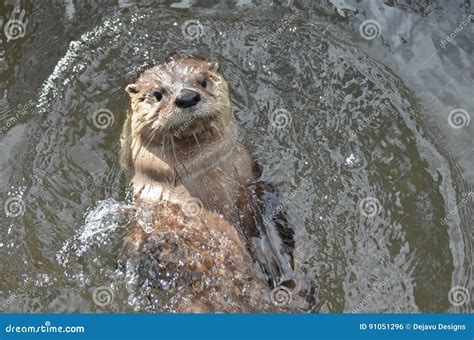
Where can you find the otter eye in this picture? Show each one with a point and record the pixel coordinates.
(203, 83)
(158, 95)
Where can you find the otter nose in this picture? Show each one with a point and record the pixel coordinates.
(187, 98)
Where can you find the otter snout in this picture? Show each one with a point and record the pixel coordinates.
(187, 98)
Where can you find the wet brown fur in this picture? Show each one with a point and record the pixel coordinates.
(176, 160)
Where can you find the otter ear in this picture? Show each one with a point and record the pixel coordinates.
(175, 56)
(213, 66)
(131, 89)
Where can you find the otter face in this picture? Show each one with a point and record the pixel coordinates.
(180, 98)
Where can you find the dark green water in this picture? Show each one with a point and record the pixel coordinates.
(355, 132)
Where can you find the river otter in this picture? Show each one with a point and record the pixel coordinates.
(179, 145)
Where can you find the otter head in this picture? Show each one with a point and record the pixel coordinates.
(183, 98)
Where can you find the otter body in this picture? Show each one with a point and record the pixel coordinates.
(180, 148)
(200, 263)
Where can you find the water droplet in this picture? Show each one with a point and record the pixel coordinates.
(354, 162)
